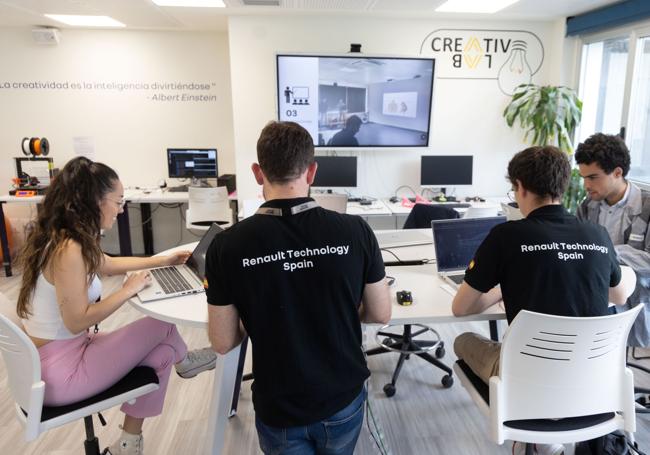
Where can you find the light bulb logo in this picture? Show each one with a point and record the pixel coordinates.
(516, 70)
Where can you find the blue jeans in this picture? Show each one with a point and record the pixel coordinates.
(336, 435)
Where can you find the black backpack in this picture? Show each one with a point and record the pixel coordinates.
(611, 444)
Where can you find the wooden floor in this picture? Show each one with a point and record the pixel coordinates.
(422, 418)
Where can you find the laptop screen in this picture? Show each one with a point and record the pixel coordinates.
(456, 241)
(196, 262)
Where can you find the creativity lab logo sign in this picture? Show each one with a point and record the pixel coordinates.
(510, 57)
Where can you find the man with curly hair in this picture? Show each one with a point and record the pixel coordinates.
(623, 209)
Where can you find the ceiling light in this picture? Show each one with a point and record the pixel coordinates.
(191, 3)
(474, 6)
(85, 21)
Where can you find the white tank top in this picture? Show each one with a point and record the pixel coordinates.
(46, 322)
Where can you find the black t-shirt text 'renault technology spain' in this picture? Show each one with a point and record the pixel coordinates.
(297, 281)
(549, 262)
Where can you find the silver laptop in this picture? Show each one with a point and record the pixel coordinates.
(456, 242)
(404, 237)
(184, 279)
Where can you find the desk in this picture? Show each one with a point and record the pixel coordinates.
(432, 297)
(192, 311)
(145, 198)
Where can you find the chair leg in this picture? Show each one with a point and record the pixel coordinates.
(390, 388)
(91, 444)
(529, 449)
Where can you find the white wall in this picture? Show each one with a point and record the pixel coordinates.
(466, 115)
(130, 130)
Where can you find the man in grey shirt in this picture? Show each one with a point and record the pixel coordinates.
(622, 209)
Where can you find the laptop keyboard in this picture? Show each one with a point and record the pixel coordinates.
(458, 279)
(171, 280)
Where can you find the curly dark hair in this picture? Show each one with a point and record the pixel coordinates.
(70, 211)
(607, 150)
(284, 151)
(543, 170)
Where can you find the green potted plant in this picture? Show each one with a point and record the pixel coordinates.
(549, 115)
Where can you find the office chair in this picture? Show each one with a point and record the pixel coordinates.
(206, 206)
(421, 215)
(23, 366)
(561, 380)
(406, 343)
(481, 211)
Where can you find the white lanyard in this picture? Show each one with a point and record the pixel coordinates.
(276, 211)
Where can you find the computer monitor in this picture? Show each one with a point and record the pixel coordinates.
(336, 171)
(192, 162)
(440, 171)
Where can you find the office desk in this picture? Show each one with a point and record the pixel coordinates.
(192, 311)
(145, 198)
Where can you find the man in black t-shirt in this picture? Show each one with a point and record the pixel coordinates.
(300, 279)
(549, 262)
(347, 135)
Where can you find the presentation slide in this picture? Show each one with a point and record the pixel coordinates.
(357, 101)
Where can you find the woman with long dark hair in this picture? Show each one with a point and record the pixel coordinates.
(61, 263)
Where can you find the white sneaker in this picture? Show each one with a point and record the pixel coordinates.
(519, 448)
(195, 362)
(127, 444)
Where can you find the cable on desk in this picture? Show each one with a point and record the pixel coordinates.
(405, 186)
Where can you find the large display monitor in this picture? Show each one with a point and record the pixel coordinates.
(336, 172)
(192, 162)
(440, 171)
(357, 101)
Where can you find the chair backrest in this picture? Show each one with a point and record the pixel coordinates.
(557, 366)
(421, 215)
(481, 211)
(208, 204)
(336, 202)
(23, 366)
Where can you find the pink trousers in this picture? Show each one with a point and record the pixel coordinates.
(81, 367)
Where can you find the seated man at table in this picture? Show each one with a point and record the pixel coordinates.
(549, 262)
(300, 279)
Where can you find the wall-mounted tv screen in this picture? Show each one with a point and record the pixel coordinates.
(357, 101)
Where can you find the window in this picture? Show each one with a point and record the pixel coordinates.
(602, 86)
(615, 90)
(638, 135)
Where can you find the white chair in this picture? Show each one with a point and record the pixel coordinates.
(561, 380)
(336, 202)
(23, 367)
(512, 213)
(206, 206)
(481, 211)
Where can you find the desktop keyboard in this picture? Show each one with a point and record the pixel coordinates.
(451, 205)
(170, 280)
(178, 189)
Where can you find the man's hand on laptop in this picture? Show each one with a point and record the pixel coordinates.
(137, 282)
(176, 258)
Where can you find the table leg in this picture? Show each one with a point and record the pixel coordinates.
(239, 377)
(147, 233)
(225, 373)
(124, 232)
(494, 330)
(6, 256)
